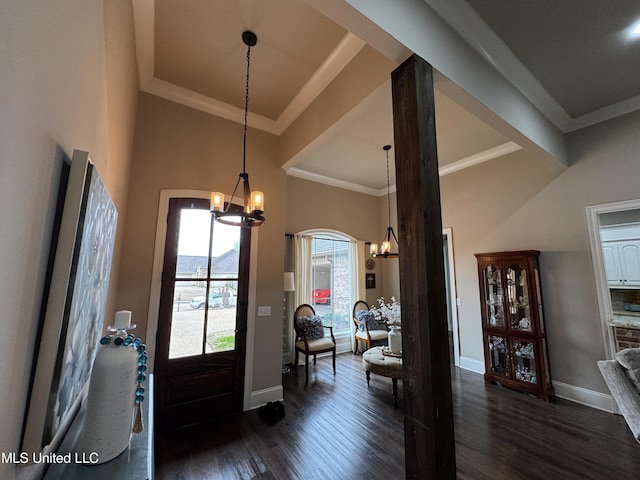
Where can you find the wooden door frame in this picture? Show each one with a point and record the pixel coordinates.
(156, 284)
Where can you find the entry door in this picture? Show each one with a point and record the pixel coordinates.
(202, 323)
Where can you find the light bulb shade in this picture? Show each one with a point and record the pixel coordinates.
(257, 201)
(373, 248)
(386, 247)
(217, 202)
(289, 282)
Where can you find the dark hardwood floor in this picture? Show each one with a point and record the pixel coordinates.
(337, 428)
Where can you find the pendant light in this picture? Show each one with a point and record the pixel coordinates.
(252, 213)
(385, 247)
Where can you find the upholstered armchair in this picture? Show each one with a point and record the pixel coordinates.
(367, 328)
(311, 337)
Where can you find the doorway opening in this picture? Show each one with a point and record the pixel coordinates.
(602, 221)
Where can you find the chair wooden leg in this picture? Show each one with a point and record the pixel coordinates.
(355, 349)
(295, 358)
(314, 359)
(306, 369)
(334, 361)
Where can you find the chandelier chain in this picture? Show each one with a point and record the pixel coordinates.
(246, 112)
(388, 190)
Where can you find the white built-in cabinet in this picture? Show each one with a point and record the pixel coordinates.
(622, 263)
(621, 255)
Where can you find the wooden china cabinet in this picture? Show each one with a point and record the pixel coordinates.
(513, 331)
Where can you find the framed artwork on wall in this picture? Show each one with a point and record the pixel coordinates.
(74, 312)
(370, 280)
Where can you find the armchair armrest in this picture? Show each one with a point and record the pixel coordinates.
(623, 392)
(330, 332)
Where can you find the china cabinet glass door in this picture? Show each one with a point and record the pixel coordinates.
(524, 361)
(499, 355)
(493, 302)
(518, 298)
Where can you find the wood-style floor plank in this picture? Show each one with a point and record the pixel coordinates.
(337, 428)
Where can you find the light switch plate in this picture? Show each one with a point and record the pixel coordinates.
(264, 311)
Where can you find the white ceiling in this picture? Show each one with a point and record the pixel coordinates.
(572, 58)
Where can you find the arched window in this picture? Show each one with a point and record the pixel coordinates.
(329, 275)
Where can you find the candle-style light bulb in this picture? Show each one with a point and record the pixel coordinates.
(257, 201)
(217, 202)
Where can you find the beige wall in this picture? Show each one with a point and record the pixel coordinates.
(368, 70)
(56, 96)
(312, 205)
(180, 148)
(519, 202)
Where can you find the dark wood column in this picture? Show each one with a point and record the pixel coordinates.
(428, 424)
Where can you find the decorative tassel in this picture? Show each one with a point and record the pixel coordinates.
(138, 427)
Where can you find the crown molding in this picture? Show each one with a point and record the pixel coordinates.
(605, 113)
(485, 156)
(478, 158)
(332, 182)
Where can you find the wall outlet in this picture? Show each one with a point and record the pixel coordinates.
(264, 311)
(458, 301)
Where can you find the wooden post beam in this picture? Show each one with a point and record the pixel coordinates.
(428, 424)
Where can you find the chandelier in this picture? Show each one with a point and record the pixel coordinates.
(385, 247)
(252, 213)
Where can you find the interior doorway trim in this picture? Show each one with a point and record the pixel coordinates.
(602, 288)
(156, 283)
(453, 297)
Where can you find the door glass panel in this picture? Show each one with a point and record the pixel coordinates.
(525, 361)
(499, 357)
(187, 324)
(518, 298)
(493, 283)
(221, 324)
(205, 293)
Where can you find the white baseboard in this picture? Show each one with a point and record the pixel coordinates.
(580, 395)
(260, 397)
(590, 398)
(472, 365)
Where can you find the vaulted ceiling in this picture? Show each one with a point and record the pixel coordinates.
(575, 60)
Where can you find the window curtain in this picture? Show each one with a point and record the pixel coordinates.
(303, 247)
(356, 280)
